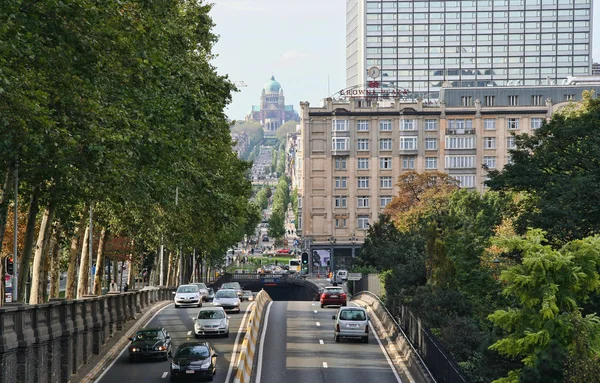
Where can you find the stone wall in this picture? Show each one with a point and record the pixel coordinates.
(47, 343)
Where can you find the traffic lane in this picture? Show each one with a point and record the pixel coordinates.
(179, 324)
(311, 352)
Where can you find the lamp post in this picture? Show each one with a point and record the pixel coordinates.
(332, 242)
(353, 240)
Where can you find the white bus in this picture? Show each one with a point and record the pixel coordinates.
(294, 265)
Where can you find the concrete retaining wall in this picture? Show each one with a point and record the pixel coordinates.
(47, 343)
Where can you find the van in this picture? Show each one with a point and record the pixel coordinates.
(351, 322)
(341, 276)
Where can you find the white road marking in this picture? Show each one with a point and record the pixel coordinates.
(261, 344)
(325, 365)
(313, 304)
(385, 353)
(164, 375)
(318, 324)
(321, 341)
(236, 344)
(126, 347)
(315, 311)
(189, 333)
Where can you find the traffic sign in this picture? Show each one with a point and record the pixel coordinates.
(354, 276)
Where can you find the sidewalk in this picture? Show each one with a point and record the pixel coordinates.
(111, 350)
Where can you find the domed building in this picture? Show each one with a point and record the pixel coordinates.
(272, 111)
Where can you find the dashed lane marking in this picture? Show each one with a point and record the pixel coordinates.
(325, 365)
(189, 333)
(318, 324)
(321, 341)
(164, 375)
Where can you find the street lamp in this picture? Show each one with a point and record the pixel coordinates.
(332, 242)
(353, 240)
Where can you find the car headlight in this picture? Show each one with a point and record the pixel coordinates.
(174, 366)
(206, 363)
(223, 325)
(216, 303)
(135, 349)
(236, 303)
(160, 348)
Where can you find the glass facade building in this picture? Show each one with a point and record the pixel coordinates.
(422, 45)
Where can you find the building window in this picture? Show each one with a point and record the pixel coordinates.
(385, 125)
(460, 125)
(384, 201)
(513, 100)
(430, 124)
(340, 163)
(341, 182)
(363, 163)
(489, 162)
(512, 123)
(460, 162)
(340, 222)
(431, 144)
(460, 142)
(537, 99)
(408, 143)
(385, 144)
(408, 162)
(489, 100)
(339, 125)
(363, 201)
(569, 97)
(466, 100)
(363, 182)
(385, 182)
(362, 144)
(489, 142)
(430, 162)
(510, 143)
(363, 222)
(362, 125)
(408, 125)
(339, 143)
(536, 122)
(489, 124)
(299, 202)
(385, 163)
(341, 201)
(466, 181)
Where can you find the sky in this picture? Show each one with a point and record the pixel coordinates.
(300, 42)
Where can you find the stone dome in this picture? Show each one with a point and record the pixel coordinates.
(272, 86)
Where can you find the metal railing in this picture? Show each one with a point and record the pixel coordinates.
(423, 343)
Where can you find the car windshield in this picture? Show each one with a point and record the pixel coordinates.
(234, 286)
(352, 315)
(192, 350)
(211, 314)
(187, 289)
(226, 294)
(201, 286)
(148, 335)
(247, 293)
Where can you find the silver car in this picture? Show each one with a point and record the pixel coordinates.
(227, 299)
(203, 291)
(351, 322)
(187, 295)
(211, 321)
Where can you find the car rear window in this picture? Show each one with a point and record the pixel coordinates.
(226, 294)
(334, 291)
(358, 315)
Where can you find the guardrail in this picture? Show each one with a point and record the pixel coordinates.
(244, 368)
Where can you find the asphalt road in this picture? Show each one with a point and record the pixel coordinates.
(179, 324)
(299, 348)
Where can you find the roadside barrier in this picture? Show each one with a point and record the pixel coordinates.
(244, 367)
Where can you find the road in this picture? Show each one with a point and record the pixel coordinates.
(179, 324)
(299, 348)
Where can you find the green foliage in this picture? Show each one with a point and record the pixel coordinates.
(281, 163)
(255, 134)
(283, 130)
(547, 288)
(557, 166)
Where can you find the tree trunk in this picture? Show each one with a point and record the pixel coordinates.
(36, 294)
(169, 264)
(116, 271)
(99, 277)
(47, 262)
(84, 266)
(3, 215)
(28, 245)
(74, 253)
(55, 263)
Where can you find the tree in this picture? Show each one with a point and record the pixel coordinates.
(283, 130)
(548, 289)
(559, 170)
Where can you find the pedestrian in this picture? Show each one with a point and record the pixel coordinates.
(126, 287)
(113, 286)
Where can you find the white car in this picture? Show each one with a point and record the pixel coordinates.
(211, 321)
(227, 299)
(187, 295)
(203, 291)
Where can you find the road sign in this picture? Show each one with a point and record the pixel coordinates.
(354, 276)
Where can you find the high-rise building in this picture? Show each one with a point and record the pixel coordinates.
(596, 69)
(421, 45)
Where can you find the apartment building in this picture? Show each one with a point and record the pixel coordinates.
(352, 151)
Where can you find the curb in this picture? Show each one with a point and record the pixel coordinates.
(116, 350)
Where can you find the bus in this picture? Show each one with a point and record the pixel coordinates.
(294, 265)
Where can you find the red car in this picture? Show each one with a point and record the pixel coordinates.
(333, 296)
(283, 251)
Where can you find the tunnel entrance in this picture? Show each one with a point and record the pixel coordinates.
(284, 292)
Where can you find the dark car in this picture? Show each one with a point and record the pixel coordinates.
(194, 360)
(150, 343)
